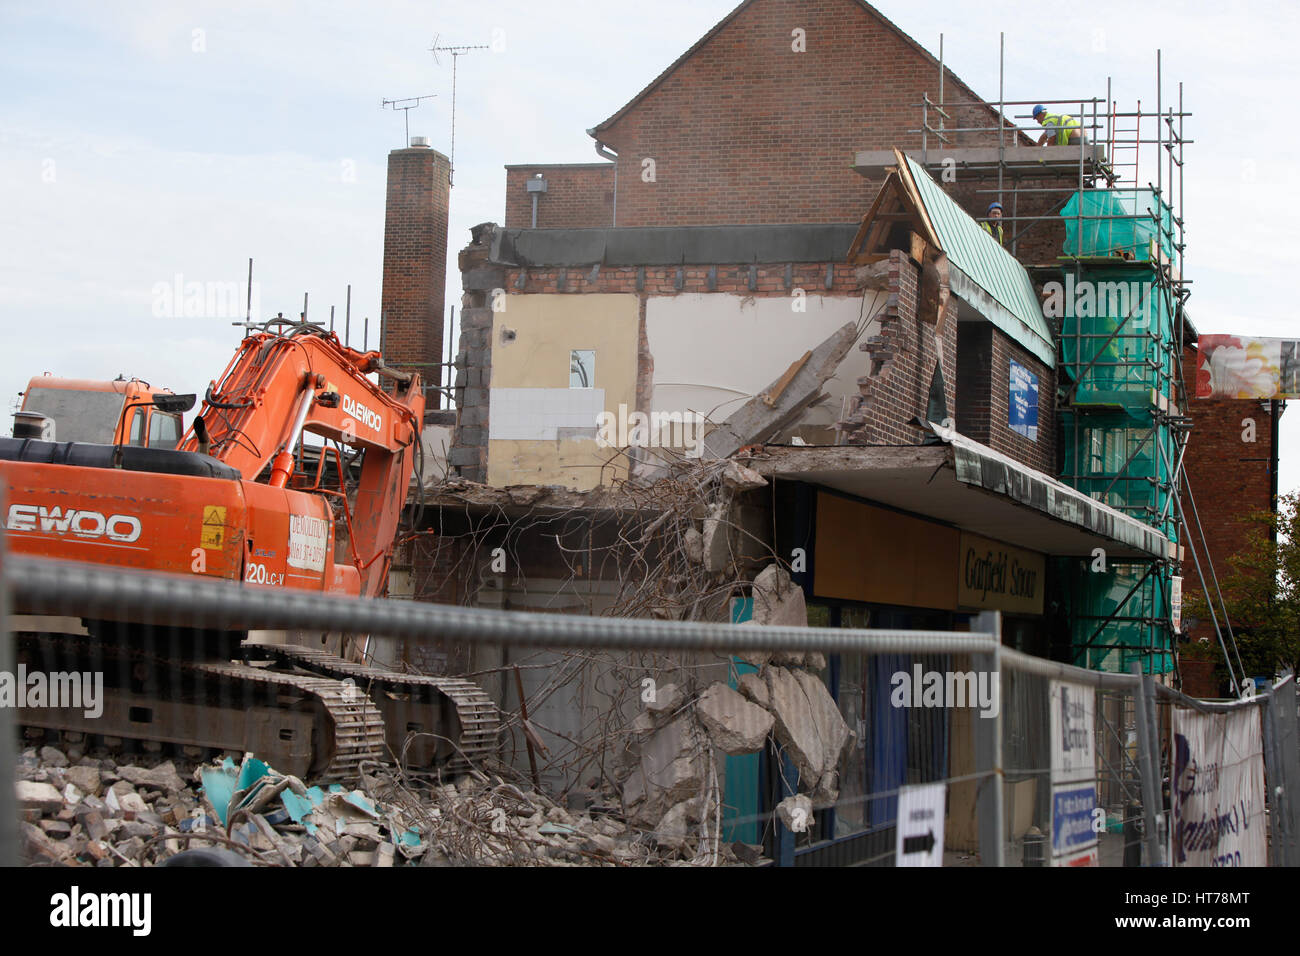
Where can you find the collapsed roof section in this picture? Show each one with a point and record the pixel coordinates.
(981, 272)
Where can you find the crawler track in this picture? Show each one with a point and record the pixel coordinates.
(456, 737)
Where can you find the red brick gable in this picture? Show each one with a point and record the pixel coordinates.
(742, 129)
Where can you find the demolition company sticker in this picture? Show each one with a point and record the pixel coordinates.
(308, 537)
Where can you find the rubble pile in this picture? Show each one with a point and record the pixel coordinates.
(98, 812)
(670, 764)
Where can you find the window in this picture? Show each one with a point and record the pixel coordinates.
(582, 368)
(78, 415)
(164, 430)
(137, 427)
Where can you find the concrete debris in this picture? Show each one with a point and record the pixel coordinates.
(670, 767)
(145, 818)
(808, 723)
(693, 544)
(796, 813)
(739, 478)
(735, 725)
(41, 797)
(85, 779)
(716, 542)
(754, 688)
(665, 700)
(163, 777)
(779, 602)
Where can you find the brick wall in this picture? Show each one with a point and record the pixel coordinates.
(1228, 476)
(903, 361)
(415, 261)
(984, 354)
(747, 131)
(578, 196)
(762, 280)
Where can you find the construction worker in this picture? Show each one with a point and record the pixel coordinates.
(993, 225)
(1059, 129)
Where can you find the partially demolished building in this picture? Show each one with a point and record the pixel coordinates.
(728, 375)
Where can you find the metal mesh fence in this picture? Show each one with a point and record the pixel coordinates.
(789, 745)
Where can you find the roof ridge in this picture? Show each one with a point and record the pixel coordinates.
(717, 28)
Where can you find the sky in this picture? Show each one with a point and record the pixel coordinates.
(150, 144)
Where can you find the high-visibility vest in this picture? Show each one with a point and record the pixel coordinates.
(1064, 124)
(988, 227)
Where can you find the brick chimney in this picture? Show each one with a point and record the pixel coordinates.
(415, 260)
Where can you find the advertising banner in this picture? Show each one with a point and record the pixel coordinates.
(1239, 366)
(1218, 793)
(1073, 720)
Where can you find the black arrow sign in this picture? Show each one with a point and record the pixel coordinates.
(918, 844)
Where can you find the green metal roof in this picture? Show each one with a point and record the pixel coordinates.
(982, 260)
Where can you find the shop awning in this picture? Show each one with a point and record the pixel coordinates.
(971, 487)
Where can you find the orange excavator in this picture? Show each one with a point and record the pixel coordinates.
(244, 496)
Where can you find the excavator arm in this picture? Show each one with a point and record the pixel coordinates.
(280, 385)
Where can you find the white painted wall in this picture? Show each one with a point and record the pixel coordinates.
(712, 352)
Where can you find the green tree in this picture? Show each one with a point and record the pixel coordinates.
(1261, 588)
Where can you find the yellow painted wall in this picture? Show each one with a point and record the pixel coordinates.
(546, 328)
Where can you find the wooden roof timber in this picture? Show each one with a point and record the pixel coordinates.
(898, 200)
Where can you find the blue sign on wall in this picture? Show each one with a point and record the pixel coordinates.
(1022, 409)
(1072, 816)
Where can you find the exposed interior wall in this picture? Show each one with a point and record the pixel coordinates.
(542, 431)
(713, 352)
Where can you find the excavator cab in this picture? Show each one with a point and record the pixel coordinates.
(120, 412)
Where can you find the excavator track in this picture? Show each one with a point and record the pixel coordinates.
(358, 728)
(304, 725)
(398, 696)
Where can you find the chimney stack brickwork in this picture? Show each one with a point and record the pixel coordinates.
(415, 262)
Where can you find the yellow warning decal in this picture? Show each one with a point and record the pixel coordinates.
(213, 534)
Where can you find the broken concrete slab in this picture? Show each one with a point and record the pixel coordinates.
(717, 541)
(53, 757)
(37, 845)
(665, 699)
(739, 478)
(85, 779)
(807, 722)
(39, 797)
(693, 545)
(754, 688)
(162, 777)
(735, 725)
(778, 601)
(784, 400)
(670, 769)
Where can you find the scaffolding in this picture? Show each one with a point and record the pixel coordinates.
(1116, 292)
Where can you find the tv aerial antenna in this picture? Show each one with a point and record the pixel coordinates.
(456, 53)
(406, 105)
